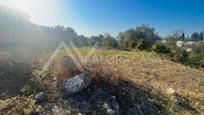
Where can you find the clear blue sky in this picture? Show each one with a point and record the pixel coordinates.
(91, 17)
(99, 16)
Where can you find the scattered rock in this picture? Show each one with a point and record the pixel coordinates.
(114, 103)
(108, 109)
(40, 97)
(111, 107)
(76, 84)
(56, 108)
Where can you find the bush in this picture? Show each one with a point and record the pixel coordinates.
(179, 55)
(160, 48)
(196, 56)
(142, 45)
(196, 60)
(175, 53)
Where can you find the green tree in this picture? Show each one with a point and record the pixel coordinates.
(142, 36)
(195, 36)
(104, 40)
(109, 41)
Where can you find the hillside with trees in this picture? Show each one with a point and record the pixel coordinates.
(137, 72)
(18, 31)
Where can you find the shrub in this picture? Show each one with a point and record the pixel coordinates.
(160, 48)
(179, 55)
(196, 57)
(196, 60)
(142, 45)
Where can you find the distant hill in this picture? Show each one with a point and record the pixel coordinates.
(16, 30)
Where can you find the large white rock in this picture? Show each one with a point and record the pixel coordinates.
(76, 84)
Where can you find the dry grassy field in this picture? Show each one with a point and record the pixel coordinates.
(172, 87)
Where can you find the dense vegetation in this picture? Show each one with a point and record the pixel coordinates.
(189, 52)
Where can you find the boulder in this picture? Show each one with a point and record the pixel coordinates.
(76, 84)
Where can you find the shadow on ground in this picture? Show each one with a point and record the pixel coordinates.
(104, 97)
(123, 98)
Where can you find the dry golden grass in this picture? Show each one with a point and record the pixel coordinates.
(145, 69)
(151, 70)
(148, 69)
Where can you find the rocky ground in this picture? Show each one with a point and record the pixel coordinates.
(103, 98)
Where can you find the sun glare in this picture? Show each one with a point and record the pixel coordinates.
(22, 5)
(40, 11)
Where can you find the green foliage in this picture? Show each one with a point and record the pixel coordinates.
(96, 39)
(176, 54)
(160, 48)
(110, 42)
(197, 36)
(104, 40)
(142, 45)
(141, 37)
(171, 41)
(179, 55)
(196, 57)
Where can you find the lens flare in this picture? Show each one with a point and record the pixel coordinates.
(22, 5)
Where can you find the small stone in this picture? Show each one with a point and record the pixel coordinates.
(113, 97)
(40, 97)
(109, 110)
(105, 105)
(114, 103)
